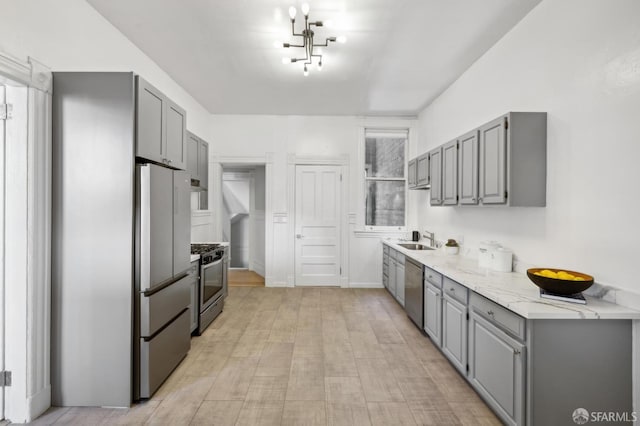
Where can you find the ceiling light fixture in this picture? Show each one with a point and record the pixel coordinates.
(307, 35)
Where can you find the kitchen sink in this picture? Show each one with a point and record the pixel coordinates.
(416, 247)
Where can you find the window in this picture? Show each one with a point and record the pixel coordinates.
(385, 179)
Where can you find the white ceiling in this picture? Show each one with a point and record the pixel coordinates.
(399, 55)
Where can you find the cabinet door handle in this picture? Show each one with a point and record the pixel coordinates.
(490, 313)
(299, 236)
(516, 352)
(452, 290)
(473, 200)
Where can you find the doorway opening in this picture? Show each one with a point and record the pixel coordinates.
(243, 223)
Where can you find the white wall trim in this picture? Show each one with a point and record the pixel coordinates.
(32, 74)
(28, 233)
(355, 284)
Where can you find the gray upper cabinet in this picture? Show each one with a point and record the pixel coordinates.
(203, 164)
(176, 136)
(412, 177)
(160, 127)
(198, 160)
(468, 168)
(193, 150)
(512, 160)
(493, 162)
(450, 173)
(422, 172)
(150, 116)
(435, 176)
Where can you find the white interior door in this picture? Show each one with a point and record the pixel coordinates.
(317, 226)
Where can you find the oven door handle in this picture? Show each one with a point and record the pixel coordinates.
(212, 264)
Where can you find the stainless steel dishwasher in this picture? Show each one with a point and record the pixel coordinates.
(414, 292)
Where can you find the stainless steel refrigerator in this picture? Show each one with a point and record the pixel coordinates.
(120, 238)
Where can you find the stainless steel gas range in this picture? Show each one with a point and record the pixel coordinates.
(213, 281)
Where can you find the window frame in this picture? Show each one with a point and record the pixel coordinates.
(384, 132)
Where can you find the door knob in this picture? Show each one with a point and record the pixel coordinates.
(299, 236)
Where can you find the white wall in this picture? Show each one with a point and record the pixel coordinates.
(281, 137)
(578, 60)
(69, 35)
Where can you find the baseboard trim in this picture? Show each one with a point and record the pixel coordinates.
(38, 403)
(355, 284)
(276, 284)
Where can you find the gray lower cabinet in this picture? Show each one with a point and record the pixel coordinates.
(435, 176)
(160, 127)
(433, 313)
(393, 273)
(385, 266)
(399, 294)
(497, 369)
(194, 306)
(450, 173)
(454, 332)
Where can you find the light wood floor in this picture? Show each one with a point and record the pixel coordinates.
(244, 278)
(308, 356)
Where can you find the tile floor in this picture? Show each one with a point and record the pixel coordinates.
(304, 356)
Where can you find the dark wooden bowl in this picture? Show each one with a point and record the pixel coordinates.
(559, 286)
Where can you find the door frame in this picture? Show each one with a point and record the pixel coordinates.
(28, 233)
(216, 203)
(294, 160)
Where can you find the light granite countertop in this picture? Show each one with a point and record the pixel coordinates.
(512, 290)
(195, 257)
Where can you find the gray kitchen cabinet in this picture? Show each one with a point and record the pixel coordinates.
(422, 171)
(468, 168)
(193, 151)
(393, 265)
(194, 281)
(399, 293)
(435, 176)
(176, 136)
(512, 160)
(385, 266)
(150, 116)
(393, 273)
(412, 176)
(497, 369)
(433, 313)
(450, 173)
(203, 164)
(454, 324)
(160, 127)
(198, 160)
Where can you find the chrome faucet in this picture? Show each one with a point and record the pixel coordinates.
(429, 236)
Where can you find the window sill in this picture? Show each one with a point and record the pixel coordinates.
(377, 234)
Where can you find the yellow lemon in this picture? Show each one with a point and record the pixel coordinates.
(549, 274)
(579, 279)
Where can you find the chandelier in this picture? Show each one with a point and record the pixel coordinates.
(308, 44)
